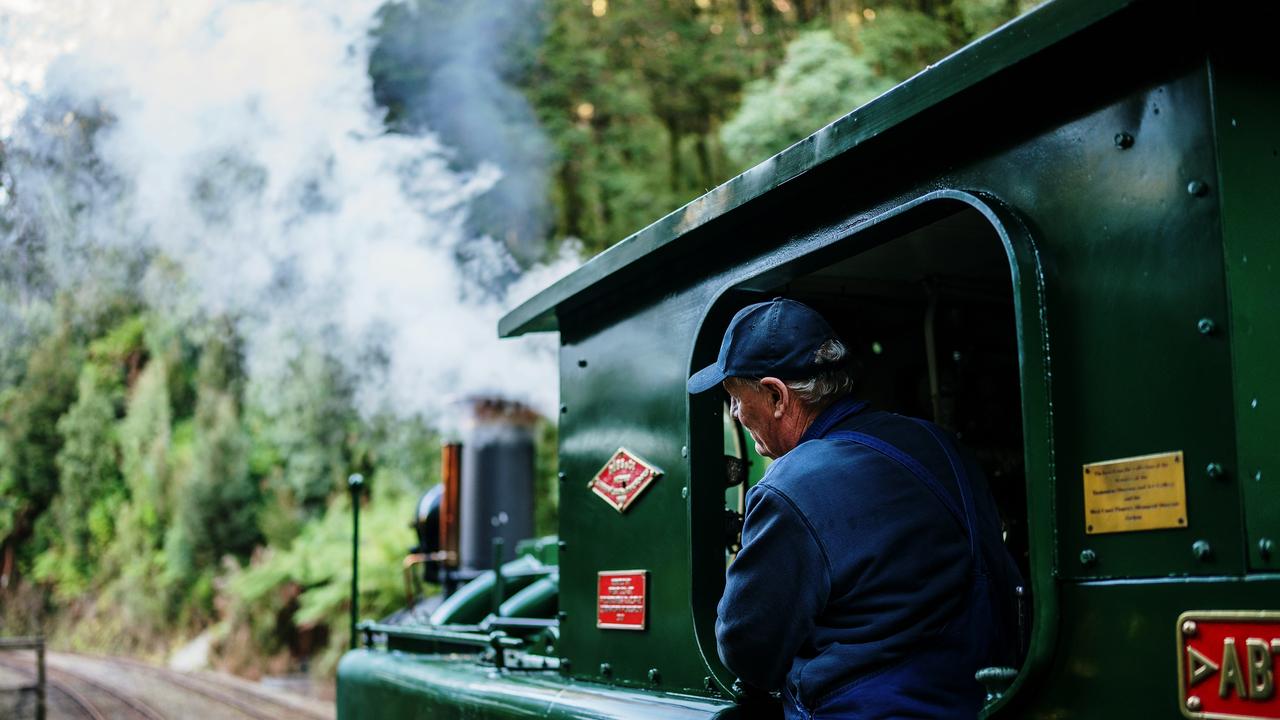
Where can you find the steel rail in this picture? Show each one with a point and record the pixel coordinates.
(137, 705)
(212, 691)
(85, 704)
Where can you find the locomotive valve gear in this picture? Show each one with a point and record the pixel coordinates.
(901, 588)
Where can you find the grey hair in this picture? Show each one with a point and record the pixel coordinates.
(830, 384)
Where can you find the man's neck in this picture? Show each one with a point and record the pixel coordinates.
(799, 424)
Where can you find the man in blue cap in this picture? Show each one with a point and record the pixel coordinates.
(872, 580)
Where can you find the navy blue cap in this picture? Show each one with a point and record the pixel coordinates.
(779, 338)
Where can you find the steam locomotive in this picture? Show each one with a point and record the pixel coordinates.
(1059, 243)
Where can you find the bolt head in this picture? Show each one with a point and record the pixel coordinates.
(1213, 470)
(654, 675)
(1189, 627)
(1197, 188)
(1193, 703)
(1088, 557)
(1201, 549)
(1206, 326)
(1124, 140)
(1265, 547)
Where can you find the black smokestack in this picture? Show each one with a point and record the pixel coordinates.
(497, 481)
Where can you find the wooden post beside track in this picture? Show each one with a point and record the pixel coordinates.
(40, 679)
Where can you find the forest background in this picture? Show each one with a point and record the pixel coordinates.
(147, 496)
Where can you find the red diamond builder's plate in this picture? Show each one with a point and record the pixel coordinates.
(623, 478)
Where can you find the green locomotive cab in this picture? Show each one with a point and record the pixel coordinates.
(1056, 243)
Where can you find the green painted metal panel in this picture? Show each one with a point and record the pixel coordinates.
(1118, 658)
(374, 684)
(1133, 265)
(616, 392)
(1247, 122)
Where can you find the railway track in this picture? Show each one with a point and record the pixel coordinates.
(56, 680)
(86, 707)
(110, 688)
(222, 695)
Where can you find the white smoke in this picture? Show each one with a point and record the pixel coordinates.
(248, 151)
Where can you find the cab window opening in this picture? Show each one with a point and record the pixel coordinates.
(930, 318)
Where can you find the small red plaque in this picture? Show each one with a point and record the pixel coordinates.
(1227, 663)
(623, 478)
(621, 599)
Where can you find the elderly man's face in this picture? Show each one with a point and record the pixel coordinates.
(755, 406)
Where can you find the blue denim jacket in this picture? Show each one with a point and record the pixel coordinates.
(850, 566)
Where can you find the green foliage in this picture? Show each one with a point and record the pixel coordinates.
(318, 568)
(30, 441)
(123, 348)
(902, 41)
(304, 433)
(81, 521)
(31, 412)
(820, 80)
(218, 502)
(218, 499)
(978, 17)
(145, 436)
(632, 100)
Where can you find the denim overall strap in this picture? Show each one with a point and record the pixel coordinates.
(966, 488)
(930, 481)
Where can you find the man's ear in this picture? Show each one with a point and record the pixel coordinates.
(779, 395)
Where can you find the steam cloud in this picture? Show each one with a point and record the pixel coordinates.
(240, 142)
(464, 56)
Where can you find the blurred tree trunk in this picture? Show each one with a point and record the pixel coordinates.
(572, 198)
(673, 150)
(707, 178)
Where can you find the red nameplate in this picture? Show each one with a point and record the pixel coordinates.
(621, 599)
(1227, 664)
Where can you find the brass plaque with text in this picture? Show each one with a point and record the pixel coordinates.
(1137, 493)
